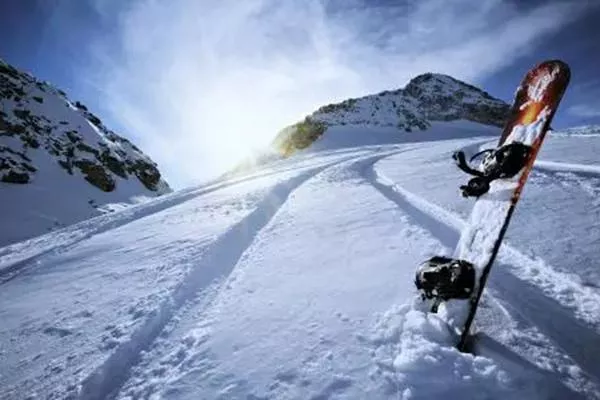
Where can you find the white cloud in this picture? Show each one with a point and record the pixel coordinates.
(199, 82)
(585, 110)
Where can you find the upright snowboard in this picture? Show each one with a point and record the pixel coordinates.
(456, 284)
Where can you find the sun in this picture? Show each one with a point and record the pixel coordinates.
(241, 146)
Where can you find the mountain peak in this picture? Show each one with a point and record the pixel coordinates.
(59, 159)
(427, 98)
(442, 84)
(431, 76)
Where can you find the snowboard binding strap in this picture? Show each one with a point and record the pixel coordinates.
(443, 278)
(503, 162)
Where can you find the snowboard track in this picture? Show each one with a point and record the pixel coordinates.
(84, 230)
(216, 264)
(160, 350)
(583, 170)
(525, 298)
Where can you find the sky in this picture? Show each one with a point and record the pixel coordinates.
(198, 84)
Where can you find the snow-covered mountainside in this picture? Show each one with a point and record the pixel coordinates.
(296, 282)
(59, 163)
(427, 98)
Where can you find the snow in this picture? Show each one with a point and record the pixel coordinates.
(296, 281)
(341, 137)
(54, 198)
(548, 299)
(416, 353)
(425, 99)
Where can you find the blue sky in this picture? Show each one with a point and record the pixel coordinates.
(196, 83)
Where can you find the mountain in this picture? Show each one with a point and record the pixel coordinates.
(296, 282)
(59, 163)
(426, 99)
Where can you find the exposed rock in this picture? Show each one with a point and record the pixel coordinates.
(59, 158)
(96, 175)
(15, 177)
(113, 153)
(443, 98)
(113, 164)
(146, 173)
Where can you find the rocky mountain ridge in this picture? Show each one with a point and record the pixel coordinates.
(425, 99)
(30, 116)
(59, 163)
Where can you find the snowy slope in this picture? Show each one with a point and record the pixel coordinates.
(296, 283)
(59, 164)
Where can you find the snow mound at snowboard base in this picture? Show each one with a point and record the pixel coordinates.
(414, 353)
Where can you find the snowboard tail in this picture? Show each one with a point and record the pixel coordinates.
(536, 102)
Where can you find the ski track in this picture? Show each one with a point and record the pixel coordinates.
(62, 240)
(217, 263)
(220, 260)
(215, 266)
(585, 170)
(531, 301)
(587, 177)
(195, 307)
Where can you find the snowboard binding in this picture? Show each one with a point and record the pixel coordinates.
(503, 162)
(443, 278)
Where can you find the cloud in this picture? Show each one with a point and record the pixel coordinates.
(199, 82)
(585, 110)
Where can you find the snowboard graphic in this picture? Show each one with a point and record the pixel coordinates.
(456, 284)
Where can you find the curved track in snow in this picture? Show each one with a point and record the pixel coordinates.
(445, 226)
(581, 169)
(215, 265)
(212, 264)
(202, 282)
(448, 225)
(20, 256)
(300, 264)
(529, 292)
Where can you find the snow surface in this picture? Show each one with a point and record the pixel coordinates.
(296, 282)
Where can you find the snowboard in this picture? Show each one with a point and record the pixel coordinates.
(536, 101)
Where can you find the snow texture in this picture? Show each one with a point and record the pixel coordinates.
(296, 282)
